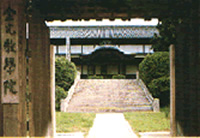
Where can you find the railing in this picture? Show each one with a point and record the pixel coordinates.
(65, 102)
(145, 89)
(154, 101)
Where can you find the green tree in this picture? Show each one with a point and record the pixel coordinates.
(167, 35)
(60, 94)
(160, 88)
(65, 75)
(154, 71)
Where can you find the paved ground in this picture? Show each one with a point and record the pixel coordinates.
(111, 125)
(155, 135)
(142, 135)
(70, 135)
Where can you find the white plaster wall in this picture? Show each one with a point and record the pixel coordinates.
(130, 49)
(88, 49)
(148, 49)
(62, 49)
(76, 49)
(127, 49)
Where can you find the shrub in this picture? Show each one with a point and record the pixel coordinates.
(65, 73)
(154, 71)
(160, 88)
(118, 76)
(60, 94)
(95, 77)
(154, 66)
(166, 111)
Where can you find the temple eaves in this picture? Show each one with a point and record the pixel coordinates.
(102, 32)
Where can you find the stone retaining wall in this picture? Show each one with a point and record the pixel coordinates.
(154, 101)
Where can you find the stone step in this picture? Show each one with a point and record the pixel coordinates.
(108, 95)
(110, 109)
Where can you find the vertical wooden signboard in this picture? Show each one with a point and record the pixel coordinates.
(13, 67)
(9, 54)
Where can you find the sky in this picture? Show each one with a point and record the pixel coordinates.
(103, 22)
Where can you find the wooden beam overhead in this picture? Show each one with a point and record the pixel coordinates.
(99, 9)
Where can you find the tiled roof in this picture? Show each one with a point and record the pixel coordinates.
(103, 31)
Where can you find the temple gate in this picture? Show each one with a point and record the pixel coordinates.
(17, 52)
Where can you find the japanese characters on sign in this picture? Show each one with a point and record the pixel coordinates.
(9, 56)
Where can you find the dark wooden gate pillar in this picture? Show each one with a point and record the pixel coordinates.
(42, 105)
(187, 72)
(1, 106)
(172, 92)
(13, 68)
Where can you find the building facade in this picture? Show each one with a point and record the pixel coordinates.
(103, 50)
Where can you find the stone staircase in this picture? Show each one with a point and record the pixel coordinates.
(108, 96)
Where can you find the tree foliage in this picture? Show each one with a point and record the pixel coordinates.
(160, 88)
(154, 71)
(60, 94)
(167, 35)
(65, 75)
(154, 66)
